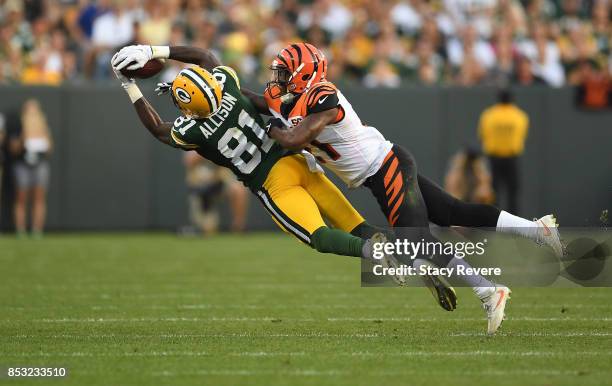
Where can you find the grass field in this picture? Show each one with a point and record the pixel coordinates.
(261, 309)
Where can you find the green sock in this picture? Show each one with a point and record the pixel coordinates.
(328, 240)
(365, 231)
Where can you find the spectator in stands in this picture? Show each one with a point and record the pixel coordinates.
(476, 14)
(50, 62)
(594, 85)
(523, 74)
(112, 29)
(577, 45)
(471, 56)
(544, 55)
(573, 12)
(382, 74)
(208, 184)
(428, 64)
(602, 10)
(156, 28)
(31, 146)
(355, 53)
(511, 15)
(50, 42)
(503, 131)
(468, 177)
(505, 53)
(331, 15)
(89, 13)
(432, 34)
(407, 16)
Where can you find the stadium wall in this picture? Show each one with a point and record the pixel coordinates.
(108, 173)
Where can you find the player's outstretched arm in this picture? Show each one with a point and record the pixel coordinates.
(194, 55)
(304, 132)
(147, 114)
(135, 57)
(153, 122)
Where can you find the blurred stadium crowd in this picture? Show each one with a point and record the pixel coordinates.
(376, 42)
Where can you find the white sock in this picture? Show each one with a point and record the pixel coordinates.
(419, 262)
(480, 285)
(509, 223)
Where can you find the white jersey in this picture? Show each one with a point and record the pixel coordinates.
(348, 148)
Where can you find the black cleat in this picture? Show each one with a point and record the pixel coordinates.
(442, 291)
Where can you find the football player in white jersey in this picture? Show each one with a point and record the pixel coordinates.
(311, 114)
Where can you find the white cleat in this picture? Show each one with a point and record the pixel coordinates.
(548, 234)
(495, 305)
(388, 260)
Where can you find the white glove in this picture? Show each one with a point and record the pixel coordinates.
(125, 81)
(128, 84)
(135, 56)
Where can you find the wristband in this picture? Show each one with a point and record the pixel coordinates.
(160, 52)
(133, 91)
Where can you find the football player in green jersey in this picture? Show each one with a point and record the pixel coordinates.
(221, 124)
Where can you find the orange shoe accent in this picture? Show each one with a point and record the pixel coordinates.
(503, 294)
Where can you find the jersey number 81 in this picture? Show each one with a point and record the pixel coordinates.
(242, 144)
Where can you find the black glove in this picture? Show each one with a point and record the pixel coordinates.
(274, 122)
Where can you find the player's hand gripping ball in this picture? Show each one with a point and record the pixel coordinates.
(137, 62)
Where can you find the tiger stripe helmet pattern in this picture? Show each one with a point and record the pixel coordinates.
(196, 92)
(295, 69)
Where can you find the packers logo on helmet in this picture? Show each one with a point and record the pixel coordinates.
(182, 95)
(196, 92)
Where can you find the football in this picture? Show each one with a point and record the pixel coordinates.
(151, 68)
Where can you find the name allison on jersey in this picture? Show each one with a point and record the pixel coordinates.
(233, 136)
(350, 149)
(210, 126)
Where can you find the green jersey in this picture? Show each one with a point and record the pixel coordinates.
(232, 137)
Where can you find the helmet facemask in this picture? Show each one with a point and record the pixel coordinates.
(279, 83)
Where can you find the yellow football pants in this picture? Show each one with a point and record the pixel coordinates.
(298, 199)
